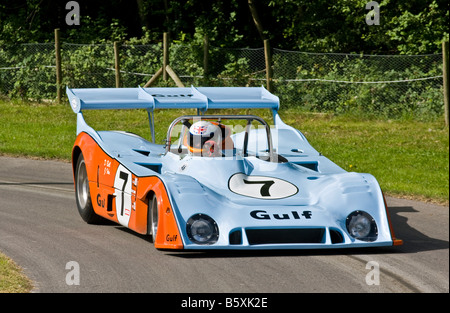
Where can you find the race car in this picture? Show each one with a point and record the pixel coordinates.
(220, 181)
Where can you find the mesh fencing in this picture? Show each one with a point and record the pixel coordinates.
(28, 69)
(237, 67)
(87, 66)
(390, 85)
(138, 63)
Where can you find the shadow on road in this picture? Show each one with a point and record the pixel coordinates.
(413, 240)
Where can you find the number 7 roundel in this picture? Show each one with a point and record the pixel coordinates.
(261, 187)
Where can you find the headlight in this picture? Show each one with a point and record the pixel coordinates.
(362, 226)
(202, 229)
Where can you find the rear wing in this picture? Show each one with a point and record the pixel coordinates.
(200, 98)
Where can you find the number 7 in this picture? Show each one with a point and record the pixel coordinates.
(123, 176)
(265, 187)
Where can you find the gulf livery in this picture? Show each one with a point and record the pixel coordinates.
(220, 181)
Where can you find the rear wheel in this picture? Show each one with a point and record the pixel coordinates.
(82, 193)
(153, 217)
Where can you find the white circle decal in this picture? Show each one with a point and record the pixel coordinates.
(261, 187)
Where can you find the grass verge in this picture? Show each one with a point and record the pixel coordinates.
(12, 280)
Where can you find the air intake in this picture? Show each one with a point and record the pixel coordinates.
(285, 236)
(235, 237)
(336, 236)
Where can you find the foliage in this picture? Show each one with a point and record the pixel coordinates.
(87, 66)
(420, 31)
(407, 27)
(31, 71)
(382, 86)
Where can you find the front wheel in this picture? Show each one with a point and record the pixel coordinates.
(82, 193)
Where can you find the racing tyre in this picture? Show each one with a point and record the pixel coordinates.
(153, 217)
(82, 193)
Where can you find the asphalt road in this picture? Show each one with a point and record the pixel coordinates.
(40, 229)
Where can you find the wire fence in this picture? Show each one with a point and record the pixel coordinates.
(390, 85)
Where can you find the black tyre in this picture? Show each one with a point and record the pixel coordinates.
(82, 193)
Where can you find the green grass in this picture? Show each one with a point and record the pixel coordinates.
(38, 130)
(12, 280)
(409, 158)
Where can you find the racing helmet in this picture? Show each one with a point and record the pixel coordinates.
(202, 137)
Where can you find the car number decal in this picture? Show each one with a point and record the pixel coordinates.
(122, 186)
(261, 187)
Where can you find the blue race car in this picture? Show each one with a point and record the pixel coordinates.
(220, 181)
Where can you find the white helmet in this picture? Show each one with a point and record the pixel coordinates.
(199, 133)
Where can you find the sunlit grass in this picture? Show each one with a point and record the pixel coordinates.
(12, 280)
(408, 158)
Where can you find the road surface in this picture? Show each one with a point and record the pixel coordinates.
(40, 229)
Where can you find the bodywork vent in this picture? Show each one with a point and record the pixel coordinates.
(235, 237)
(285, 235)
(156, 167)
(309, 165)
(336, 236)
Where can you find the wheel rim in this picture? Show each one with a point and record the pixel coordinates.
(154, 216)
(82, 185)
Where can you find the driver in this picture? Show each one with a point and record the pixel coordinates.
(203, 138)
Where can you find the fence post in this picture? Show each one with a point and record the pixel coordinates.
(165, 54)
(269, 70)
(117, 63)
(174, 76)
(445, 69)
(58, 66)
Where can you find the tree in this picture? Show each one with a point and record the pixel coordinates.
(256, 19)
(413, 26)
